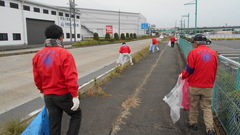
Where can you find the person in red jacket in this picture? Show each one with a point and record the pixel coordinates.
(55, 75)
(124, 51)
(154, 44)
(172, 39)
(201, 69)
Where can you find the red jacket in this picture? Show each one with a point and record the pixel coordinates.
(201, 67)
(55, 72)
(154, 41)
(172, 39)
(125, 49)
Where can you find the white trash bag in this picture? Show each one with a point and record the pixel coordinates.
(169, 43)
(174, 100)
(123, 58)
(120, 59)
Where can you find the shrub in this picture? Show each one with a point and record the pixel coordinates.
(131, 35)
(107, 37)
(134, 35)
(116, 37)
(186, 38)
(127, 35)
(123, 36)
(95, 36)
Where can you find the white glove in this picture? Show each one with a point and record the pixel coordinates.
(76, 103)
(180, 76)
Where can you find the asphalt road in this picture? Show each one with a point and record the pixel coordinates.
(227, 48)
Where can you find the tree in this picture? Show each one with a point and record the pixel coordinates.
(123, 36)
(116, 37)
(107, 37)
(95, 36)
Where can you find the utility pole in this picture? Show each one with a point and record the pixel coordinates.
(181, 26)
(70, 13)
(74, 18)
(119, 21)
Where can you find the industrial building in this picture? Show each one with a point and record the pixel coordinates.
(23, 22)
(93, 20)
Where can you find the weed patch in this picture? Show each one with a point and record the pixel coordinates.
(13, 127)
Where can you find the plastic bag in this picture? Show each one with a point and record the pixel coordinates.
(123, 58)
(169, 43)
(39, 125)
(120, 59)
(151, 47)
(185, 99)
(174, 100)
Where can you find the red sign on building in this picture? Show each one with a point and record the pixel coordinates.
(109, 29)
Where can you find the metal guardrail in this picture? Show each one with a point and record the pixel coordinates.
(226, 91)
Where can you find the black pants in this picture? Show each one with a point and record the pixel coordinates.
(172, 44)
(56, 104)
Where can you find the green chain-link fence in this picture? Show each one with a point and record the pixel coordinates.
(226, 91)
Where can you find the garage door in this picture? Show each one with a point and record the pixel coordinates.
(36, 29)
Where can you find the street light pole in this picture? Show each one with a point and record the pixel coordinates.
(181, 25)
(195, 31)
(196, 4)
(188, 20)
(119, 23)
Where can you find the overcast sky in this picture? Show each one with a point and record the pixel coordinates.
(167, 13)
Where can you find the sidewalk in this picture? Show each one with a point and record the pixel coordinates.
(135, 105)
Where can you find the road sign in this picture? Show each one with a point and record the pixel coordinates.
(144, 26)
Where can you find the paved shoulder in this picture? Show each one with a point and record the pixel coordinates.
(135, 105)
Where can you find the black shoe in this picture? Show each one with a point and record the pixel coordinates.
(211, 132)
(193, 127)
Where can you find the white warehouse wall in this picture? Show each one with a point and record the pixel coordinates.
(15, 20)
(11, 22)
(96, 20)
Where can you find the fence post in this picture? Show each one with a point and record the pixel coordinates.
(238, 77)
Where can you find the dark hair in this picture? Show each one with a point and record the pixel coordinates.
(53, 31)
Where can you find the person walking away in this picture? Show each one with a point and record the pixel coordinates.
(55, 75)
(201, 69)
(172, 39)
(124, 51)
(154, 44)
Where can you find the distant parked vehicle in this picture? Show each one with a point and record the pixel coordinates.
(208, 41)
